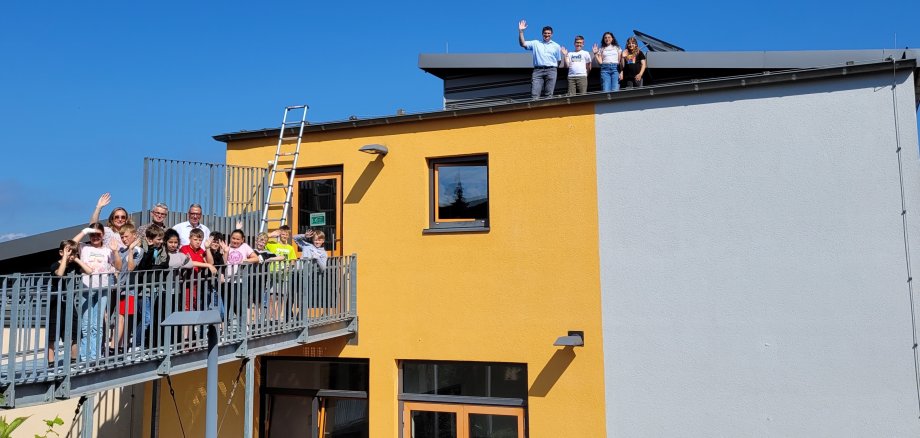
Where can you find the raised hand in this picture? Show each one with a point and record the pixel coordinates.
(565, 52)
(104, 200)
(68, 251)
(89, 230)
(594, 48)
(239, 225)
(113, 244)
(207, 243)
(522, 25)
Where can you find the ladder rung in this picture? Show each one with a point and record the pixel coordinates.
(272, 219)
(275, 203)
(278, 186)
(287, 154)
(296, 107)
(288, 138)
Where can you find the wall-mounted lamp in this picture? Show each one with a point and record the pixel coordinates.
(574, 339)
(374, 149)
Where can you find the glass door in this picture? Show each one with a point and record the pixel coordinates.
(318, 205)
(441, 420)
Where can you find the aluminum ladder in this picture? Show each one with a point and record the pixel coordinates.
(289, 121)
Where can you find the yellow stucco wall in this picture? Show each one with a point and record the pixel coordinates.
(500, 296)
(190, 396)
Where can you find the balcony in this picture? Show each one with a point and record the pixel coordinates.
(265, 308)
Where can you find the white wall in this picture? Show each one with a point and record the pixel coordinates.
(753, 264)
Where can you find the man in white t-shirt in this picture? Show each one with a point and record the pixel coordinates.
(579, 63)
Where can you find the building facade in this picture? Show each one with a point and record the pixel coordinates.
(720, 257)
(734, 255)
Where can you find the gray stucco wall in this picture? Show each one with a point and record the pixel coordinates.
(753, 264)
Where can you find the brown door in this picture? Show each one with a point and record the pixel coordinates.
(317, 204)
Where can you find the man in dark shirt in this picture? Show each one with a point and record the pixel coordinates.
(60, 299)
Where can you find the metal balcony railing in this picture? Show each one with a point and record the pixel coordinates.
(69, 336)
(226, 193)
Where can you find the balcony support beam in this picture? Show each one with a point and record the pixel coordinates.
(250, 394)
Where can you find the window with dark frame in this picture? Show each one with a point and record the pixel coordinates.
(301, 396)
(487, 399)
(465, 379)
(459, 194)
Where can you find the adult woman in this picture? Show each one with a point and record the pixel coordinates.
(633, 63)
(608, 56)
(117, 219)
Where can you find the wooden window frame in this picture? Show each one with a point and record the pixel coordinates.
(462, 225)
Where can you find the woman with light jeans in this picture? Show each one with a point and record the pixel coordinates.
(608, 56)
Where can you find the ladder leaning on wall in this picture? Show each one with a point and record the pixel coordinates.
(288, 122)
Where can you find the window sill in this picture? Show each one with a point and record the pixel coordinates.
(455, 230)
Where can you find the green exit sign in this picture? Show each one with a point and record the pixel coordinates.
(317, 219)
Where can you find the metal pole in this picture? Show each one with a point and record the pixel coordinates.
(155, 410)
(250, 390)
(210, 430)
(88, 405)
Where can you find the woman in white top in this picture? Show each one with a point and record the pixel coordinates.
(608, 56)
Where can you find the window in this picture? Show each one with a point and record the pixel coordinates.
(459, 194)
(303, 397)
(463, 399)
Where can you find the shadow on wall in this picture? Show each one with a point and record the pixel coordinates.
(117, 412)
(365, 180)
(551, 372)
(120, 412)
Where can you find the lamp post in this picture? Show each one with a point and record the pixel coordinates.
(209, 318)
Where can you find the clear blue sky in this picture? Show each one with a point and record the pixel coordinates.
(87, 89)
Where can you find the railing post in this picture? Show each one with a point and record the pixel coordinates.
(145, 185)
(9, 393)
(66, 298)
(244, 275)
(167, 295)
(353, 284)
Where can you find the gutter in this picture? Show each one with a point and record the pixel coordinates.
(694, 86)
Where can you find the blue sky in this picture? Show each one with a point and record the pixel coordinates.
(87, 89)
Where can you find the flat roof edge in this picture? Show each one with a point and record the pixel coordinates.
(700, 85)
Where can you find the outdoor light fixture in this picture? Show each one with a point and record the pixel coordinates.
(574, 339)
(374, 149)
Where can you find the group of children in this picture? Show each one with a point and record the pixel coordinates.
(130, 267)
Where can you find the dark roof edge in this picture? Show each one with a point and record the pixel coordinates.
(701, 85)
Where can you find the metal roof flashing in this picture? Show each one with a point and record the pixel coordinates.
(693, 86)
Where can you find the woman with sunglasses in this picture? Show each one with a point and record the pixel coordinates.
(117, 218)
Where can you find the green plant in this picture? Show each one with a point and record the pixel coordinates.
(57, 421)
(6, 429)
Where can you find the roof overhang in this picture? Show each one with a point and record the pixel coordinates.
(692, 86)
